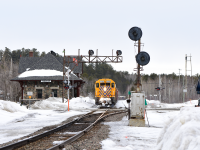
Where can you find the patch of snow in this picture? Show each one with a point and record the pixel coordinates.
(121, 104)
(181, 131)
(124, 137)
(40, 72)
(11, 107)
(57, 142)
(18, 121)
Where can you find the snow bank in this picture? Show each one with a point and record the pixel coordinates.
(181, 132)
(81, 102)
(50, 103)
(158, 104)
(11, 106)
(153, 104)
(56, 103)
(121, 104)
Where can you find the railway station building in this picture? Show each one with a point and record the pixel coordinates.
(42, 77)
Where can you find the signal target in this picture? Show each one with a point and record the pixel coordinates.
(135, 33)
(142, 58)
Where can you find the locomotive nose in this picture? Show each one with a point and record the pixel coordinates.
(104, 89)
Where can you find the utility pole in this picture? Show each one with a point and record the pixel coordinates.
(138, 71)
(169, 91)
(11, 70)
(160, 85)
(63, 78)
(185, 88)
(185, 76)
(178, 83)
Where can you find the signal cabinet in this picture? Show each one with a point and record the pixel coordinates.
(137, 105)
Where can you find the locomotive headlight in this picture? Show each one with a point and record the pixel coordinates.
(104, 89)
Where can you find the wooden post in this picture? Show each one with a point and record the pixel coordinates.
(63, 77)
(138, 71)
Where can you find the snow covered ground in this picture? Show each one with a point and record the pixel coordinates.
(174, 130)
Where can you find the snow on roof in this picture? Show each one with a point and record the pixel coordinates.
(41, 72)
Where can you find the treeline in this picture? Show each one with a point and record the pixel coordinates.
(172, 87)
(94, 71)
(7, 54)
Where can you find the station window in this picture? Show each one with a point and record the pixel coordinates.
(113, 85)
(39, 93)
(97, 85)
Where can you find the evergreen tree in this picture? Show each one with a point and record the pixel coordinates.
(43, 54)
(7, 54)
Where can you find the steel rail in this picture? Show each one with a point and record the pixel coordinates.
(75, 137)
(39, 136)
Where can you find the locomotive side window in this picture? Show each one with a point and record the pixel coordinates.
(112, 85)
(97, 85)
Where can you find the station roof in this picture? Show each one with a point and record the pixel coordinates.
(48, 67)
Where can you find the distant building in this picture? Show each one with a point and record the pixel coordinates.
(39, 77)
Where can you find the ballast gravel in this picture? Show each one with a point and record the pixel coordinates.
(92, 140)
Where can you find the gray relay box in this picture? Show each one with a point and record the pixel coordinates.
(137, 105)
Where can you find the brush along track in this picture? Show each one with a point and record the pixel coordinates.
(65, 134)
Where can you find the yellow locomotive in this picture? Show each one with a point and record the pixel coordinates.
(105, 92)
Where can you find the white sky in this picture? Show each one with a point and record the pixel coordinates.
(170, 29)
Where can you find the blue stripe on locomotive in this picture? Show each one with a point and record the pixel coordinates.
(105, 93)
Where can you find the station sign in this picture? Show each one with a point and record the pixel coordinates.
(45, 80)
(30, 93)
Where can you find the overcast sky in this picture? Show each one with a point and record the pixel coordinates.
(171, 29)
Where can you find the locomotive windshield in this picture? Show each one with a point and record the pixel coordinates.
(102, 84)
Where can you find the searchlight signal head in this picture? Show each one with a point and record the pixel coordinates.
(135, 33)
(91, 52)
(158, 88)
(142, 58)
(119, 52)
(66, 87)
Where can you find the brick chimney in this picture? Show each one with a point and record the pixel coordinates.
(31, 54)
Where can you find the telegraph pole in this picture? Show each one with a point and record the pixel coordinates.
(63, 77)
(138, 71)
(160, 88)
(185, 88)
(185, 76)
(169, 91)
(178, 83)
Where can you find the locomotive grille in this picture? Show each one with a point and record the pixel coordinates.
(106, 93)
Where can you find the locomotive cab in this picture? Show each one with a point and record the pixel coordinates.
(105, 92)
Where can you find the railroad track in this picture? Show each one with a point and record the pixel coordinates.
(63, 135)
